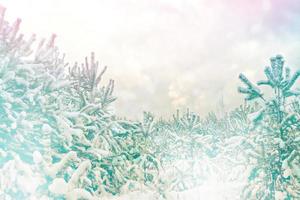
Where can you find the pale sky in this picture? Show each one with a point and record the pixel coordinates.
(168, 54)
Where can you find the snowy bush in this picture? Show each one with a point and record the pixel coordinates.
(57, 127)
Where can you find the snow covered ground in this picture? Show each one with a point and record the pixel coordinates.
(209, 191)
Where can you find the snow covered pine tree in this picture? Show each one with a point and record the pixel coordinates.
(59, 138)
(275, 135)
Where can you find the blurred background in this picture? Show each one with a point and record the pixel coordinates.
(169, 54)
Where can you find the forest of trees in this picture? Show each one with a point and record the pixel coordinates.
(60, 140)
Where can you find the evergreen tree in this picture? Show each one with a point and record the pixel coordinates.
(275, 135)
(57, 128)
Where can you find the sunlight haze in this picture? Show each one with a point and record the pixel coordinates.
(169, 54)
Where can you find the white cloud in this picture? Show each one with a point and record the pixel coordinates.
(167, 53)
